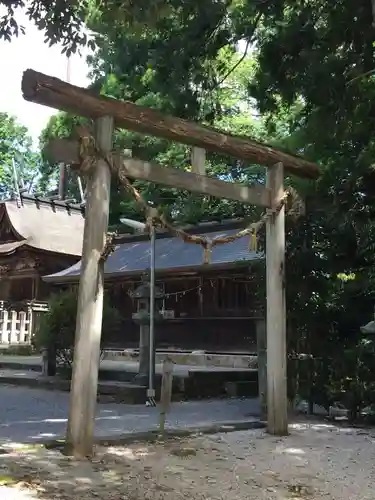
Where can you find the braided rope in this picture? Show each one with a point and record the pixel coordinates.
(109, 246)
(90, 153)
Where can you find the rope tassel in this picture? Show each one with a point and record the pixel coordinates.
(253, 244)
(207, 249)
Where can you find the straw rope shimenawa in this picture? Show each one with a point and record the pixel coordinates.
(90, 152)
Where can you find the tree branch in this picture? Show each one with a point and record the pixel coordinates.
(362, 75)
(249, 40)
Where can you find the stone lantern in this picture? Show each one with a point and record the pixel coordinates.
(369, 328)
(142, 318)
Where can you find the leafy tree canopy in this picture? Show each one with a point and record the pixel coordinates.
(61, 21)
(16, 151)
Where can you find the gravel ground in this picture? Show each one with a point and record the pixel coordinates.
(317, 461)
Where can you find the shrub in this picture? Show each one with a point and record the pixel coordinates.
(57, 326)
(352, 381)
(18, 350)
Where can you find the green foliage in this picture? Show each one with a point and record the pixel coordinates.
(316, 86)
(21, 350)
(57, 326)
(352, 381)
(16, 145)
(160, 54)
(61, 22)
(60, 126)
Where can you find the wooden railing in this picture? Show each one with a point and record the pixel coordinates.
(18, 323)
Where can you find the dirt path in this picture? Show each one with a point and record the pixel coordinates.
(317, 461)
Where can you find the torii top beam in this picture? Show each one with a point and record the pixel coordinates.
(55, 93)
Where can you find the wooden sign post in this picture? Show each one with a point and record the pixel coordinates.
(198, 161)
(166, 393)
(83, 394)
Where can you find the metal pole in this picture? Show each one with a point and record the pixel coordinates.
(81, 193)
(16, 185)
(151, 370)
(62, 168)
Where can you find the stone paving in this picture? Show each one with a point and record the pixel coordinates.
(31, 415)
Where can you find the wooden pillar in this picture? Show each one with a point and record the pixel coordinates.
(277, 415)
(4, 336)
(165, 392)
(6, 284)
(30, 319)
(80, 433)
(201, 296)
(260, 327)
(35, 287)
(23, 337)
(198, 161)
(62, 181)
(13, 328)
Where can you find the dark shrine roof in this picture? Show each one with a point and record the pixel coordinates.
(132, 255)
(42, 224)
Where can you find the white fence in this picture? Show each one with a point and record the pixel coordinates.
(17, 326)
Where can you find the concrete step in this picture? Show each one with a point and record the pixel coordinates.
(194, 358)
(10, 365)
(114, 391)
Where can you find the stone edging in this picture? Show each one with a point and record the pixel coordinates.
(153, 435)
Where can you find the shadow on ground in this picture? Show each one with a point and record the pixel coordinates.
(135, 472)
(317, 460)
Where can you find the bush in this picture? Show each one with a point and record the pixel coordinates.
(18, 350)
(57, 326)
(352, 381)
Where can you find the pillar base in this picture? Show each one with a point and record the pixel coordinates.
(141, 379)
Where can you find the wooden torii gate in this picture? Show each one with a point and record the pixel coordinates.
(109, 113)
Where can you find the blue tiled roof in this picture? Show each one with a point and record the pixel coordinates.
(170, 253)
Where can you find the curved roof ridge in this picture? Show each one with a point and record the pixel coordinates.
(8, 248)
(47, 227)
